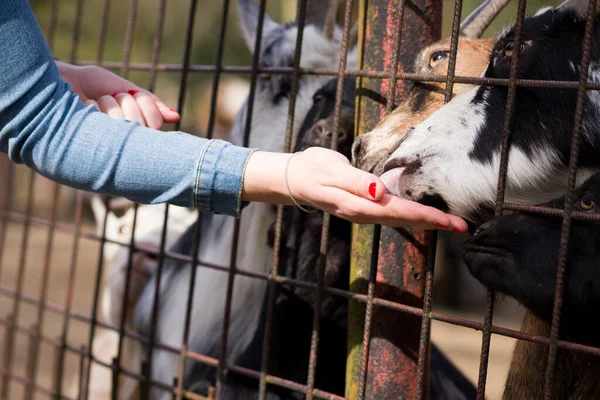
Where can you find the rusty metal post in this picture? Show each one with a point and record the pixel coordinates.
(392, 340)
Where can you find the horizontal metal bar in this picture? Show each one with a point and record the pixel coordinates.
(354, 72)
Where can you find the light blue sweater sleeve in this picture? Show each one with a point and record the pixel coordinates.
(44, 126)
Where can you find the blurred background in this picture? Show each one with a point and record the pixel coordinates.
(461, 344)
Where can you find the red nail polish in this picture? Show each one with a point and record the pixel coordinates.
(114, 94)
(132, 92)
(172, 110)
(439, 225)
(373, 189)
(456, 230)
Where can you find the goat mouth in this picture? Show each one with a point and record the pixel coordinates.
(391, 179)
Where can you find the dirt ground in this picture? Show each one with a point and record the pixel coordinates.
(462, 345)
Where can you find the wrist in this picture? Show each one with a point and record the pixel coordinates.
(264, 178)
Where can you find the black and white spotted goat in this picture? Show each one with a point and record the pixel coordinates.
(320, 49)
(451, 160)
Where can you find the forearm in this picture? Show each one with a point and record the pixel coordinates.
(45, 126)
(264, 179)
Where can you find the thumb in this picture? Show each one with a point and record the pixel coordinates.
(361, 183)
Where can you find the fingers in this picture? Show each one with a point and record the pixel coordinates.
(342, 175)
(130, 107)
(109, 105)
(134, 105)
(359, 182)
(390, 211)
(148, 108)
(168, 114)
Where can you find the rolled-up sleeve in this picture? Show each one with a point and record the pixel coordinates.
(44, 126)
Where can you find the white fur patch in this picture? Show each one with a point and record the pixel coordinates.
(442, 144)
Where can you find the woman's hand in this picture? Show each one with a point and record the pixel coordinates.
(116, 96)
(325, 179)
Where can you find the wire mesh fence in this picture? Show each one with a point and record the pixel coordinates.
(272, 305)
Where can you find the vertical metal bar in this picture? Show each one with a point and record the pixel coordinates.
(161, 256)
(82, 353)
(366, 338)
(393, 351)
(188, 309)
(20, 280)
(196, 247)
(33, 362)
(8, 186)
(218, 69)
(327, 217)
(236, 231)
(504, 158)
(52, 26)
(103, 32)
(157, 44)
(131, 17)
(422, 388)
(301, 20)
(69, 294)
(76, 31)
(566, 226)
(9, 335)
(124, 303)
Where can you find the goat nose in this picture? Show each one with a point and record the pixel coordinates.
(485, 226)
(356, 150)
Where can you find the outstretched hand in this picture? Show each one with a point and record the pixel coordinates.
(325, 179)
(116, 96)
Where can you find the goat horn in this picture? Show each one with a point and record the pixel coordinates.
(477, 22)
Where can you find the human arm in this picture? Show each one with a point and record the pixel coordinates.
(325, 179)
(44, 126)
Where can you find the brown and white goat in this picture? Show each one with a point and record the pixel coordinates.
(371, 150)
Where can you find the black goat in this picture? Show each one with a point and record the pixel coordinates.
(517, 255)
(299, 258)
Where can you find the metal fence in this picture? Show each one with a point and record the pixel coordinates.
(400, 354)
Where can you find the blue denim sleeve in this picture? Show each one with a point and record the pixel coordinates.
(44, 126)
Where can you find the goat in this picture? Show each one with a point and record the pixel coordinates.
(320, 49)
(300, 259)
(294, 306)
(148, 234)
(451, 160)
(517, 255)
(371, 150)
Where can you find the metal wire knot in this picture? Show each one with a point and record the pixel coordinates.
(287, 186)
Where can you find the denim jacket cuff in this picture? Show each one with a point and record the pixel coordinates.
(220, 178)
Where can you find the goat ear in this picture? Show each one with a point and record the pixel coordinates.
(580, 6)
(249, 13)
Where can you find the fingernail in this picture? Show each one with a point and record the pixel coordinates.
(373, 189)
(132, 92)
(114, 94)
(172, 110)
(456, 230)
(440, 225)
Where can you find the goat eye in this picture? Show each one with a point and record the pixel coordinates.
(318, 97)
(509, 49)
(587, 204)
(436, 57)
